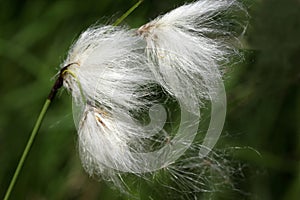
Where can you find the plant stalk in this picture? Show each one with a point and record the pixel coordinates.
(27, 148)
(119, 20)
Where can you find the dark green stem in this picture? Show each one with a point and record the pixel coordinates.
(27, 148)
(119, 20)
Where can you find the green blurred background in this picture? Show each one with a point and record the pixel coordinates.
(263, 98)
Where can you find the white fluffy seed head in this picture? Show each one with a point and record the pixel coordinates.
(105, 83)
(111, 76)
(108, 59)
(189, 46)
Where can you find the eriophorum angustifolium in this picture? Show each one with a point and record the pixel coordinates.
(168, 68)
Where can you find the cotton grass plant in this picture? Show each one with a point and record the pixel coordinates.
(169, 66)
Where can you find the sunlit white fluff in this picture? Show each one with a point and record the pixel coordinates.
(105, 82)
(181, 51)
(188, 45)
(108, 66)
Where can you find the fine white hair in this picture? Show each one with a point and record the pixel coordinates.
(185, 45)
(112, 73)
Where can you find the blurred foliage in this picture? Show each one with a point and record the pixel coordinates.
(263, 98)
